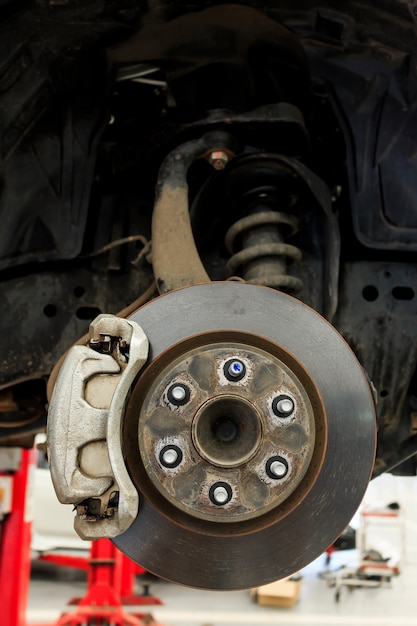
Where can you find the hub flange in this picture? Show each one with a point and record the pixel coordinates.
(227, 431)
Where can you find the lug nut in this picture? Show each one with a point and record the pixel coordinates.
(220, 493)
(283, 406)
(276, 467)
(170, 456)
(234, 370)
(178, 394)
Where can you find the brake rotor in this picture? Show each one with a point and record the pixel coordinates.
(250, 437)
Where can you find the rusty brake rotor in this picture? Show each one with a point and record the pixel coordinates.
(250, 437)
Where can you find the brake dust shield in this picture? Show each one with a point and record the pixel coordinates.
(250, 437)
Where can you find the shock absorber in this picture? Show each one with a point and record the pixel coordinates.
(264, 253)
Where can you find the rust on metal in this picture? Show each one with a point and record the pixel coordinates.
(175, 258)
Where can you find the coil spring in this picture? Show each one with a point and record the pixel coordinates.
(264, 253)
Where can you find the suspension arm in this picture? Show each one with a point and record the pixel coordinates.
(175, 258)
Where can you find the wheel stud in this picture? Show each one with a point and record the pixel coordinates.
(170, 456)
(220, 493)
(283, 406)
(178, 394)
(234, 370)
(276, 467)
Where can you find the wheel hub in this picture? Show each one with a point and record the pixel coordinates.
(229, 414)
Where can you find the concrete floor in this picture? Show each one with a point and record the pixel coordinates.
(396, 605)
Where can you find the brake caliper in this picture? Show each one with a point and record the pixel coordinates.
(84, 427)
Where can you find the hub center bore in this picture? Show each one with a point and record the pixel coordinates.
(227, 430)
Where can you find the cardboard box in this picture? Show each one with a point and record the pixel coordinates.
(284, 593)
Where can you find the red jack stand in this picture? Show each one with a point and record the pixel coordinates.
(107, 565)
(102, 603)
(129, 570)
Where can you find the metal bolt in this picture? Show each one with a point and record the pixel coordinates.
(283, 406)
(218, 159)
(234, 370)
(220, 493)
(170, 456)
(276, 467)
(178, 394)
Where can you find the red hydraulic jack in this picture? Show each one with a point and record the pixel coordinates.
(102, 604)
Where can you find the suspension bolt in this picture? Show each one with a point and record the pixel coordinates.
(178, 394)
(170, 456)
(220, 493)
(276, 467)
(283, 406)
(218, 159)
(234, 370)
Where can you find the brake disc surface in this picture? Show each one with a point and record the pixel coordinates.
(250, 437)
